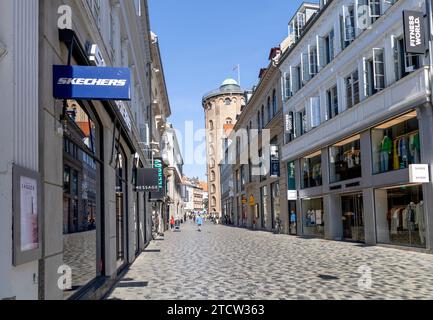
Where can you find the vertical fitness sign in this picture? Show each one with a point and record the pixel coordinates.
(414, 32)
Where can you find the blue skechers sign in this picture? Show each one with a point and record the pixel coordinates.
(91, 83)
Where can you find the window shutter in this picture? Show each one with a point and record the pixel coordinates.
(294, 86)
(314, 112)
(365, 76)
(378, 69)
(320, 52)
(394, 44)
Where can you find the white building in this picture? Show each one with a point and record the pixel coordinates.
(358, 113)
(90, 219)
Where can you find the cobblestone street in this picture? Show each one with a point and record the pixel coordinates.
(228, 263)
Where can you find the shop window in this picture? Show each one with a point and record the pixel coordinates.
(400, 216)
(81, 178)
(345, 160)
(312, 170)
(275, 203)
(313, 216)
(264, 196)
(396, 144)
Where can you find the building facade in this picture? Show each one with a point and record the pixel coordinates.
(357, 115)
(221, 108)
(254, 199)
(89, 222)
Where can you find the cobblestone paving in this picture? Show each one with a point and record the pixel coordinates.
(236, 264)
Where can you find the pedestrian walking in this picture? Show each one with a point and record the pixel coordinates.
(199, 222)
(172, 223)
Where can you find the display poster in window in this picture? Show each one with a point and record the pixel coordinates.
(414, 32)
(29, 214)
(275, 162)
(26, 204)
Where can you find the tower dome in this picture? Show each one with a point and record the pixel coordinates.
(229, 84)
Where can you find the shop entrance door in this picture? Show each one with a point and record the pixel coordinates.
(293, 218)
(353, 217)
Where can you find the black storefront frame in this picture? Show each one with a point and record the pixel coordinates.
(77, 51)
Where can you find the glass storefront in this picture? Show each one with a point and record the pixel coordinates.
(81, 184)
(121, 205)
(313, 216)
(275, 203)
(264, 203)
(400, 216)
(345, 160)
(396, 144)
(311, 167)
(353, 217)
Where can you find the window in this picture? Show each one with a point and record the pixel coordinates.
(404, 63)
(269, 111)
(345, 160)
(211, 126)
(314, 112)
(301, 123)
(352, 90)
(396, 144)
(243, 181)
(332, 102)
(212, 176)
(347, 25)
(400, 216)
(374, 73)
(329, 47)
(262, 125)
(259, 122)
(228, 101)
(274, 103)
(312, 61)
(287, 85)
(95, 8)
(213, 189)
(229, 121)
(311, 170)
(306, 76)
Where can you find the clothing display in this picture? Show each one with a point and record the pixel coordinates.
(408, 218)
(400, 152)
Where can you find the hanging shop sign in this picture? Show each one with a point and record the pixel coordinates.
(125, 114)
(91, 83)
(27, 231)
(147, 180)
(160, 193)
(288, 123)
(414, 32)
(419, 173)
(275, 162)
(292, 195)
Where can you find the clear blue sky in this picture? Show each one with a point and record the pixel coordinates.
(203, 40)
